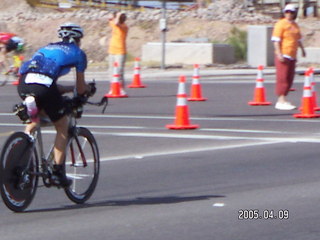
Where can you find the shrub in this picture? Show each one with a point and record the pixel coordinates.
(238, 39)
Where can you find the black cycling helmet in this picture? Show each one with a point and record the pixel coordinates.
(15, 43)
(70, 32)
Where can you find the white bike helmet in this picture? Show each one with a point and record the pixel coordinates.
(70, 31)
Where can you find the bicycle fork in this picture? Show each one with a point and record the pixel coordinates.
(78, 146)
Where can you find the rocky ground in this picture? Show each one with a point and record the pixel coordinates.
(38, 25)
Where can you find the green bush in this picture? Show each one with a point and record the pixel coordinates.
(238, 39)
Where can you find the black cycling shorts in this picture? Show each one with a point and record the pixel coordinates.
(47, 98)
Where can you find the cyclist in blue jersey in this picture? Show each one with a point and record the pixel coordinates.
(39, 77)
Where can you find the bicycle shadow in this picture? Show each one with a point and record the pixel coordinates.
(130, 202)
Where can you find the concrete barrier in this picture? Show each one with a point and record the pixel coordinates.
(312, 55)
(188, 53)
(260, 46)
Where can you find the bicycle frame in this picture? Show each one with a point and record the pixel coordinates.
(46, 161)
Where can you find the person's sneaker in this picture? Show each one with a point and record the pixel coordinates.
(284, 106)
(123, 92)
(59, 177)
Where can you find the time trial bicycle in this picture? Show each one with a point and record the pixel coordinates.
(23, 160)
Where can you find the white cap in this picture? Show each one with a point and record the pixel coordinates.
(290, 7)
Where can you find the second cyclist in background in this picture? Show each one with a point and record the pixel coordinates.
(39, 77)
(9, 43)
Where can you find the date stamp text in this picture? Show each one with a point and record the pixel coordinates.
(267, 214)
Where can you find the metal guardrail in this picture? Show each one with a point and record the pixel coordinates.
(304, 6)
(104, 4)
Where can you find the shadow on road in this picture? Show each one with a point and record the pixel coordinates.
(131, 202)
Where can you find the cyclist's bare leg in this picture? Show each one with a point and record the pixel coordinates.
(59, 174)
(61, 139)
(30, 128)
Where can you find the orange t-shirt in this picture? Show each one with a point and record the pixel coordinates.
(288, 34)
(117, 44)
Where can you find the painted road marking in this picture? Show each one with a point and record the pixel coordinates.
(170, 117)
(218, 205)
(182, 151)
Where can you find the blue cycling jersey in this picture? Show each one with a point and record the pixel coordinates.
(55, 60)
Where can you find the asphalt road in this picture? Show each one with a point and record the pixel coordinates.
(205, 184)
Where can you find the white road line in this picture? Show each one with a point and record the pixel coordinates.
(193, 118)
(183, 151)
(214, 137)
(174, 135)
(240, 130)
(200, 118)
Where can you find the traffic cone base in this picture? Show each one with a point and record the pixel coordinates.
(136, 83)
(135, 86)
(259, 96)
(115, 96)
(182, 127)
(196, 93)
(116, 92)
(300, 115)
(259, 103)
(197, 99)
(182, 119)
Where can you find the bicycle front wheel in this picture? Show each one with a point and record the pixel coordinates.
(82, 165)
(19, 163)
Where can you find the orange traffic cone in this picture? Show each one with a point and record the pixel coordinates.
(182, 110)
(136, 81)
(259, 92)
(116, 90)
(15, 83)
(307, 109)
(196, 93)
(313, 89)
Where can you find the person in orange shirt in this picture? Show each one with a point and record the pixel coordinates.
(287, 39)
(117, 44)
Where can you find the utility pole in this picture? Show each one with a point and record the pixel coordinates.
(163, 29)
(301, 9)
(282, 4)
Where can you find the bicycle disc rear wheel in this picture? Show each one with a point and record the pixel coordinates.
(82, 165)
(18, 183)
